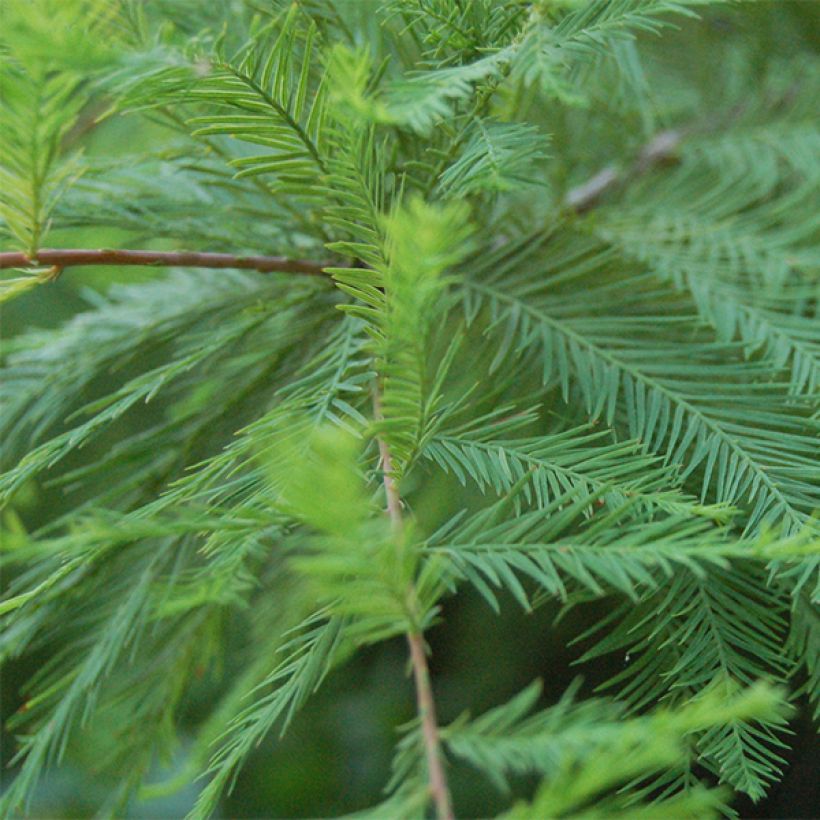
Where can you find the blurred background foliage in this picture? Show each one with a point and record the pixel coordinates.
(336, 757)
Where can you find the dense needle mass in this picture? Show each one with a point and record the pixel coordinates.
(470, 300)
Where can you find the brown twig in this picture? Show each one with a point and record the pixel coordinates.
(74, 257)
(439, 790)
(661, 148)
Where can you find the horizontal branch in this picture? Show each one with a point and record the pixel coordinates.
(58, 259)
(580, 199)
(660, 149)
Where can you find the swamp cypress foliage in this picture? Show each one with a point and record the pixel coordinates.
(490, 296)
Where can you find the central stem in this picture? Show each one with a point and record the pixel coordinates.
(429, 727)
(439, 790)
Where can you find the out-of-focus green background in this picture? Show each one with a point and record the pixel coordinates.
(336, 757)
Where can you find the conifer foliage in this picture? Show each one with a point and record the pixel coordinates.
(553, 264)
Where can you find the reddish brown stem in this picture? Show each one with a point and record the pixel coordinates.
(73, 257)
(660, 149)
(439, 790)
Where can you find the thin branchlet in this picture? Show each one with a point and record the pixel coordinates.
(62, 258)
(439, 789)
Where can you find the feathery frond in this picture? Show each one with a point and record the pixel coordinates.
(695, 400)
(37, 112)
(691, 636)
(565, 462)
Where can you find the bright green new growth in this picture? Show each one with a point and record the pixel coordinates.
(565, 333)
